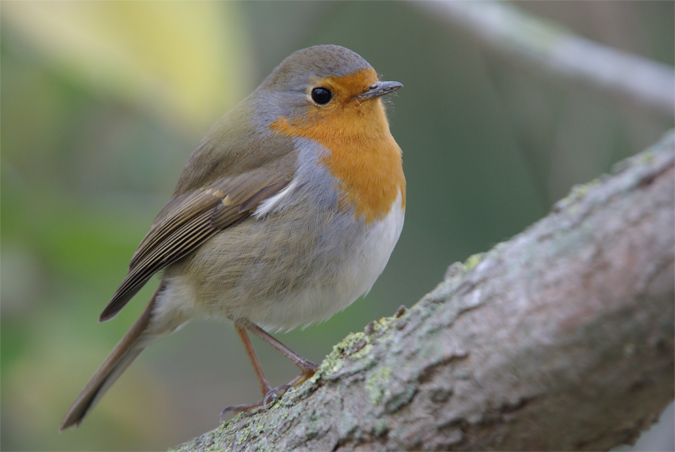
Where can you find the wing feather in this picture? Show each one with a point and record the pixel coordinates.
(188, 221)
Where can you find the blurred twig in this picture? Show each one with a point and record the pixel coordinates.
(559, 339)
(511, 33)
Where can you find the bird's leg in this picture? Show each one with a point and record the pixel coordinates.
(307, 367)
(255, 362)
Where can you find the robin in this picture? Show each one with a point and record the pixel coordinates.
(286, 212)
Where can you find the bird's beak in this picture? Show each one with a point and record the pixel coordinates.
(378, 89)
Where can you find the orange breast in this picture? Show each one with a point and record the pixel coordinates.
(364, 156)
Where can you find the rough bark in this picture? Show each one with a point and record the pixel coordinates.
(560, 338)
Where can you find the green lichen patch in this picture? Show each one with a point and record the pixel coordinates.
(377, 385)
(473, 261)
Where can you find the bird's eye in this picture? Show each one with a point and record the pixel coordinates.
(321, 95)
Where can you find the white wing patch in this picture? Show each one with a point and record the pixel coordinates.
(276, 202)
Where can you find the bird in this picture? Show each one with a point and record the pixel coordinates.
(285, 213)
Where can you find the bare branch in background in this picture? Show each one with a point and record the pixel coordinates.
(511, 33)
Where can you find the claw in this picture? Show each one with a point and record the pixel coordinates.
(270, 396)
(235, 409)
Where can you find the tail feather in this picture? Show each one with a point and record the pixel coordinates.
(126, 351)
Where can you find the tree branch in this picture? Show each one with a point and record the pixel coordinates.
(509, 32)
(560, 338)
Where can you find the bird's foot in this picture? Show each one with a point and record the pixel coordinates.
(270, 396)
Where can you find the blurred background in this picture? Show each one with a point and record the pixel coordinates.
(102, 103)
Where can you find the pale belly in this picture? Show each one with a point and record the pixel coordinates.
(320, 300)
(283, 277)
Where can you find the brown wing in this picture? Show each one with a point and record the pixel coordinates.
(190, 219)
